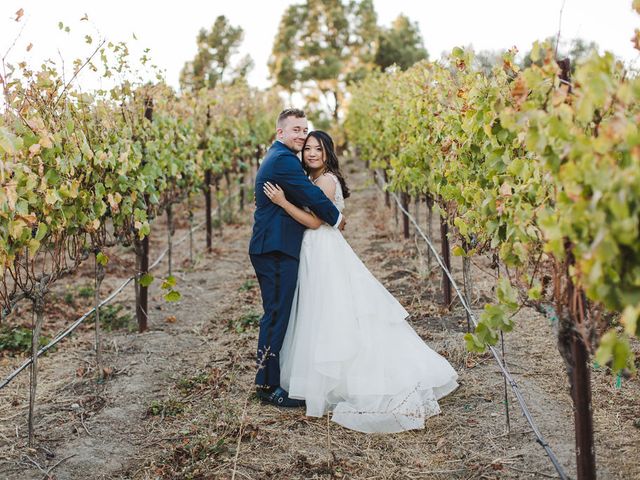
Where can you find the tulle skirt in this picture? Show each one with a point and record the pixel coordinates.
(349, 350)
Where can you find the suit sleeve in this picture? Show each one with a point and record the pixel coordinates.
(289, 174)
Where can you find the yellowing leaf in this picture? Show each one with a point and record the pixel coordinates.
(9, 142)
(51, 197)
(34, 245)
(505, 190)
(45, 141)
(34, 150)
(630, 319)
(29, 219)
(16, 227)
(12, 195)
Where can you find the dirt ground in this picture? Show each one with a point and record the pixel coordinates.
(178, 400)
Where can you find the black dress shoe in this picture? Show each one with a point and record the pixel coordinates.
(279, 397)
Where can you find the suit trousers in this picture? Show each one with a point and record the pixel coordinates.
(277, 275)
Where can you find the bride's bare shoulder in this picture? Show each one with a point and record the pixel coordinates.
(327, 183)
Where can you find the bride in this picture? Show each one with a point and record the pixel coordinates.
(348, 348)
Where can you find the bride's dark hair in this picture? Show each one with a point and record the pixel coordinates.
(331, 158)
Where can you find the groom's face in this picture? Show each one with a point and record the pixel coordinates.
(293, 132)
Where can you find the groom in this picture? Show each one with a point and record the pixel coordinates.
(275, 246)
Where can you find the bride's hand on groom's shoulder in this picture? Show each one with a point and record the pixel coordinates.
(274, 193)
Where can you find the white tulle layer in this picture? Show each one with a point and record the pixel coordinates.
(348, 348)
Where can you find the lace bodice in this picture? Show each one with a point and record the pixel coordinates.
(339, 200)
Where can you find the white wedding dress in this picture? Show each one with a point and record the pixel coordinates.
(348, 348)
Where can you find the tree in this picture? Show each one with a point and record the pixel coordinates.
(321, 46)
(212, 63)
(400, 45)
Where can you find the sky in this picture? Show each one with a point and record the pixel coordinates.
(169, 28)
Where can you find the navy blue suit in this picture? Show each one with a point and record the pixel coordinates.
(275, 250)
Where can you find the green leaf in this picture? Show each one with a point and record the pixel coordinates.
(172, 296)
(169, 283)
(535, 52)
(616, 350)
(535, 292)
(506, 294)
(34, 245)
(146, 280)
(42, 231)
(102, 259)
(473, 343)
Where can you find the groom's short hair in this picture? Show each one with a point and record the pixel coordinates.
(289, 112)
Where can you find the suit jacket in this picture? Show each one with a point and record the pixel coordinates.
(273, 229)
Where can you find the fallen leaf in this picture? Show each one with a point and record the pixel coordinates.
(170, 319)
(19, 14)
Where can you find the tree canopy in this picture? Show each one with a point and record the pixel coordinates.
(324, 45)
(400, 45)
(212, 62)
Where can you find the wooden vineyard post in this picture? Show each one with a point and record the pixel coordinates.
(229, 203)
(505, 389)
(429, 201)
(573, 331)
(207, 203)
(36, 328)
(446, 258)
(579, 374)
(142, 297)
(404, 198)
(170, 232)
(191, 218)
(220, 205)
(241, 183)
(387, 200)
(142, 254)
(206, 189)
(257, 158)
(99, 276)
(416, 213)
(468, 282)
(395, 213)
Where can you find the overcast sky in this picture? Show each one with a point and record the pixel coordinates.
(169, 28)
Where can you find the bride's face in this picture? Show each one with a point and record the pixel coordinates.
(313, 155)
